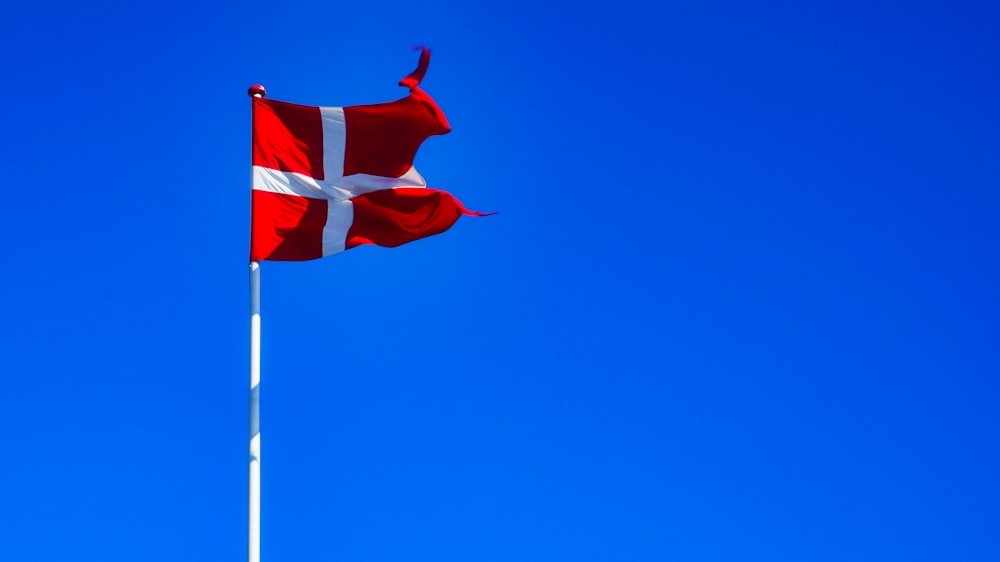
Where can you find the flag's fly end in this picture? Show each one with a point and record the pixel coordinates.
(414, 78)
(472, 213)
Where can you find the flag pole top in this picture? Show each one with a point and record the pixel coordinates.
(257, 91)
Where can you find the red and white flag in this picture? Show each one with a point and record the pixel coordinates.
(327, 179)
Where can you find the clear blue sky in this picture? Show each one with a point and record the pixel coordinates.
(740, 301)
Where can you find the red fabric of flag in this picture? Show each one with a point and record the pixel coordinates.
(327, 179)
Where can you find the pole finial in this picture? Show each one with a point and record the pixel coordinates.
(256, 91)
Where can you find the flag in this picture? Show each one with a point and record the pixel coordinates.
(327, 179)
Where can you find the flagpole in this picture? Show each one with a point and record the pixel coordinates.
(253, 504)
(253, 529)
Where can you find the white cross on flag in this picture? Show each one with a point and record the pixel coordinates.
(327, 179)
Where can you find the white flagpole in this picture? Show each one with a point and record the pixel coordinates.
(253, 519)
(253, 535)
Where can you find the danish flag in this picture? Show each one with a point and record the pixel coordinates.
(327, 179)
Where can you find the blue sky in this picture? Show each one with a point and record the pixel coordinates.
(739, 302)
